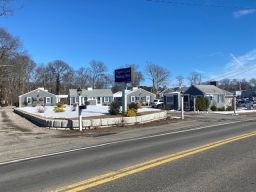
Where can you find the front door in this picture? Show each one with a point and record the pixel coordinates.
(175, 102)
(98, 100)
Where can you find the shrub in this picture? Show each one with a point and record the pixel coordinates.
(202, 103)
(214, 108)
(61, 105)
(221, 109)
(114, 108)
(25, 103)
(131, 112)
(230, 108)
(134, 106)
(74, 107)
(58, 109)
(41, 109)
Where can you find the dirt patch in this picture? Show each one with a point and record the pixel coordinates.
(9, 124)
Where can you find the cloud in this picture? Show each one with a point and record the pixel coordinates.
(244, 12)
(239, 67)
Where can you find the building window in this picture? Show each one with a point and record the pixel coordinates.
(48, 100)
(106, 99)
(29, 100)
(148, 98)
(169, 99)
(186, 98)
(133, 98)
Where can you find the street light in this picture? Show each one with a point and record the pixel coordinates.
(79, 92)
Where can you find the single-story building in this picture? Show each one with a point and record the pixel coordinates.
(38, 96)
(217, 97)
(136, 95)
(93, 96)
(172, 97)
(172, 100)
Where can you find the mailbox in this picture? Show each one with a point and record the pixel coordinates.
(82, 107)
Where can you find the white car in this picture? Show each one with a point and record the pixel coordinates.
(157, 103)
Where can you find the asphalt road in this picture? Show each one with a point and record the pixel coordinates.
(229, 167)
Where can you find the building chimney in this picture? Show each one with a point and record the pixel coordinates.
(215, 83)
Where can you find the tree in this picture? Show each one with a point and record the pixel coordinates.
(195, 78)
(6, 8)
(58, 70)
(157, 74)
(9, 48)
(82, 78)
(180, 80)
(97, 71)
(9, 45)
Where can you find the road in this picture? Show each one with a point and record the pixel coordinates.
(229, 166)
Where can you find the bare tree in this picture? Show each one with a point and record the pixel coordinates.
(6, 7)
(41, 76)
(97, 72)
(58, 70)
(158, 75)
(9, 45)
(82, 77)
(195, 78)
(180, 80)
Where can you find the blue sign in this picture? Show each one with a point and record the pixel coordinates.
(124, 75)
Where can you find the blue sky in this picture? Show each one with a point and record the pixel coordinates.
(182, 37)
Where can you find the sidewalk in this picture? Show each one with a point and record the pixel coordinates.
(21, 139)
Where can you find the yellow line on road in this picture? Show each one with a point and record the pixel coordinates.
(98, 180)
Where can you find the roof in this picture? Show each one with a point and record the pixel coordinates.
(92, 93)
(128, 92)
(119, 93)
(211, 89)
(38, 89)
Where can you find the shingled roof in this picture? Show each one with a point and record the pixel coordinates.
(211, 89)
(92, 93)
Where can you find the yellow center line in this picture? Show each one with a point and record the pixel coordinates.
(101, 179)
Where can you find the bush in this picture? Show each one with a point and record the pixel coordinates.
(131, 113)
(230, 108)
(41, 109)
(202, 103)
(58, 109)
(114, 108)
(134, 106)
(214, 108)
(221, 109)
(61, 105)
(74, 107)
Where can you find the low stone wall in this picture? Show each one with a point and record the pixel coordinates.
(92, 123)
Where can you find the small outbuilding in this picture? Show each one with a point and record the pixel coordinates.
(136, 95)
(39, 96)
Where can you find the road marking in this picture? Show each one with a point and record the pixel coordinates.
(121, 141)
(111, 176)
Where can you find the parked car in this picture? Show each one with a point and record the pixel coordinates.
(158, 103)
(247, 104)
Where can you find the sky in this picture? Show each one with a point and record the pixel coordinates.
(216, 38)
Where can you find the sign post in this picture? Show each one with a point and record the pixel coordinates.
(124, 76)
(182, 105)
